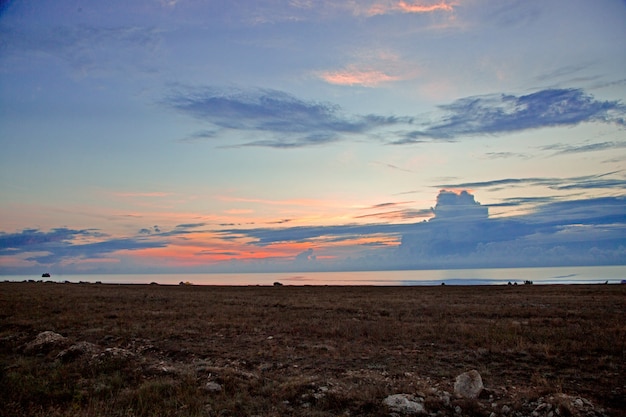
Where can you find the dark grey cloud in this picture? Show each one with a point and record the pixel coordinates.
(61, 243)
(190, 225)
(554, 183)
(505, 155)
(273, 111)
(34, 239)
(560, 72)
(218, 253)
(200, 136)
(403, 214)
(267, 236)
(563, 148)
(93, 250)
(520, 201)
(493, 114)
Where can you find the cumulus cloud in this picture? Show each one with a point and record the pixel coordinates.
(455, 206)
(555, 233)
(504, 113)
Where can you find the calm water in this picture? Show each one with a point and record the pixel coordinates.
(492, 276)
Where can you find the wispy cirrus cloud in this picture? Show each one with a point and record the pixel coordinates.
(600, 181)
(504, 113)
(563, 148)
(86, 49)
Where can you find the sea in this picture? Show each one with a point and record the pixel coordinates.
(488, 276)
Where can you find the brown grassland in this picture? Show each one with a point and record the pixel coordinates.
(307, 350)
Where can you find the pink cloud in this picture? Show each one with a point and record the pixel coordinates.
(407, 7)
(351, 76)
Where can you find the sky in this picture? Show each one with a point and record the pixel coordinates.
(298, 135)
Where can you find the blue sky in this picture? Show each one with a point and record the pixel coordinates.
(239, 136)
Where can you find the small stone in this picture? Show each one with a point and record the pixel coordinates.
(458, 410)
(578, 403)
(506, 409)
(213, 387)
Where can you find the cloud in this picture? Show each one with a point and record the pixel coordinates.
(574, 232)
(598, 181)
(387, 7)
(33, 239)
(200, 136)
(86, 49)
(353, 76)
(493, 114)
(59, 244)
(461, 234)
(280, 120)
(260, 109)
(303, 234)
(455, 206)
(563, 149)
(290, 122)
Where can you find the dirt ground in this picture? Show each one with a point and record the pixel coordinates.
(143, 350)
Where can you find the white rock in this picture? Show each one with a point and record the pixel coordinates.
(469, 384)
(213, 387)
(404, 403)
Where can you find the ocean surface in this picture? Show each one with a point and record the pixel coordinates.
(490, 276)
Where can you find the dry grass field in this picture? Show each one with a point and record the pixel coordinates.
(154, 350)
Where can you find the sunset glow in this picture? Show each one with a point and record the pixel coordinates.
(277, 136)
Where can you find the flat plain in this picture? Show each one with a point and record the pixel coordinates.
(156, 350)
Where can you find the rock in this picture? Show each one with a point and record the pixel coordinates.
(77, 350)
(404, 404)
(469, 384)
(112, 355)
(46, 342)
(213, 387)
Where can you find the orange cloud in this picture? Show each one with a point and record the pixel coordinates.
(366, 78)
(405, 7)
